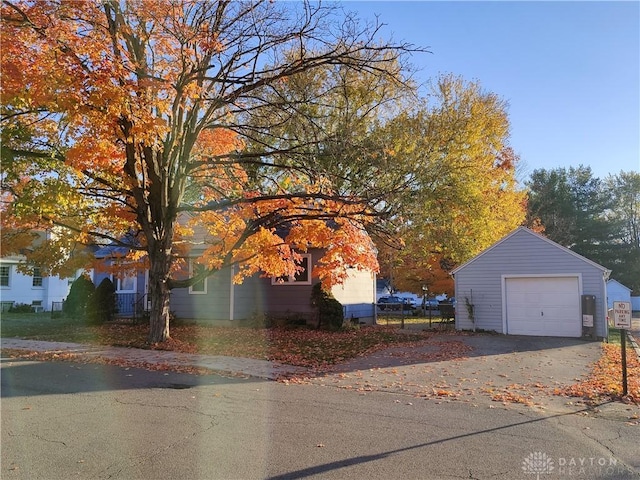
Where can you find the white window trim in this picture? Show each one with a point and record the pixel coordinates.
(291, 280)
(204, 281)
(33, 277)
(116, 282)
(8, 285)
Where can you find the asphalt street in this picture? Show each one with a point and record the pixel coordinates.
(65, 420)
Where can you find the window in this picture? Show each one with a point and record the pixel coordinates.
(5, 270)
(124, 283)
(302, 277)
(198, 288)
(37, 278)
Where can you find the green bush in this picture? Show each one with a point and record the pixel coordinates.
(76, 303)
(21, 308)
(101, 306)
(330, 312)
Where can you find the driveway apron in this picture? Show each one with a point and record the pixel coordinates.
(480, 369)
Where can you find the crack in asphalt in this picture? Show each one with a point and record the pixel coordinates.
(141, 459)
(39, 437)
(172, 407)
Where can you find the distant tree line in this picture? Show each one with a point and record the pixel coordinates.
(599, 219)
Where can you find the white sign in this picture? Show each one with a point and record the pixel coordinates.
(622, 314)
(587, 320)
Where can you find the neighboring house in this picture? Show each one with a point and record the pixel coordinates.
(131, 289)
(617, 292)
(526, 284)
(218, 300)
(35, 290)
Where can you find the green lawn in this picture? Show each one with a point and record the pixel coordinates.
(614, 336)
(40, 326)
(408, 319)
(295, 346)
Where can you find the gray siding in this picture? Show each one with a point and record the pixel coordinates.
(228, 303)
(521, 253)
(214, 305)
(249, 298)
(287, 298)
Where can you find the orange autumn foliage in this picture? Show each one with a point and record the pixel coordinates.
(605, 381)
(146, 124)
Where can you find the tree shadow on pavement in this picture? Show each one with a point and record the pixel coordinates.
(28, 378)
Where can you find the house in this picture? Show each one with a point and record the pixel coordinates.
(30, 289)
(217, 300)
(526, 284)
(617, 292)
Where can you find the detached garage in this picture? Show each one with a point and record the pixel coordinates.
(526, 284)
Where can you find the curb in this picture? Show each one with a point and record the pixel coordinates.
(634, 343)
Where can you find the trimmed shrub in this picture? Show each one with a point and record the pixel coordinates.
(101, 306)
(330, 312)
(21, 308)
(76, 303)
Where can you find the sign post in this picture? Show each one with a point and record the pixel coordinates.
(622, 320)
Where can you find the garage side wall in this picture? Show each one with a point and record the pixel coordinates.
(480, 281)
(357, 295)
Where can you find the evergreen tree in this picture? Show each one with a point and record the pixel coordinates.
(102, 304)
(76, 302)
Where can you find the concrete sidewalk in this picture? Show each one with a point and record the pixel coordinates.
(232, 365)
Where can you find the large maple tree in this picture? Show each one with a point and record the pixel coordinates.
(122, 117)
(462, 190)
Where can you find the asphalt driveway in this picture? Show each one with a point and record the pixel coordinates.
(481, 369)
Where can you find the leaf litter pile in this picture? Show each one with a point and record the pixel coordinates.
(367, 359)
(605, 381)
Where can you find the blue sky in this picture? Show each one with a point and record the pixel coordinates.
(570, 71)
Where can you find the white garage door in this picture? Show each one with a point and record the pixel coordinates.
(547, 306)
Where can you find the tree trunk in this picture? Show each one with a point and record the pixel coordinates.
(159, 295)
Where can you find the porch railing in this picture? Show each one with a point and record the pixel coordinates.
(132, 305)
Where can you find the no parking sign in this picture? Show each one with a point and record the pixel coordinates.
(622, 319)
(622, 314)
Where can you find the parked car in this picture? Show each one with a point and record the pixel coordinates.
(431, 304)
(395, 303)
(410, 301)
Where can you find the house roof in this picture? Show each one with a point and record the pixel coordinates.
(613, 280)
(525, 230)
(111, 251)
